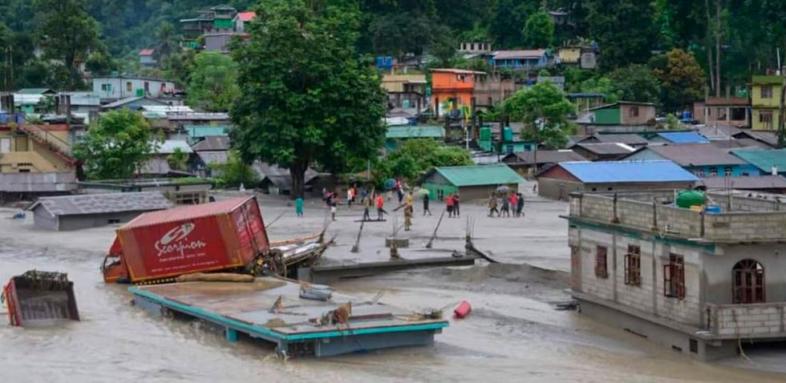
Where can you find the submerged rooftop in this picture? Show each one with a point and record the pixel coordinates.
(738, 219)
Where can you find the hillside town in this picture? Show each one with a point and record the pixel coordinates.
(288, 188)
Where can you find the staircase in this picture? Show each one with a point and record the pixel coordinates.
(57, 145)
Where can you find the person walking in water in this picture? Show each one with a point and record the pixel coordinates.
(514, 202)
(426, 199)
(456, 205)
(380, 207)
(409, 209)
(299, 206)
(505, 211)
(333, 206)
(367, 203)
(520, 205)
(493, 206)
(449, 205)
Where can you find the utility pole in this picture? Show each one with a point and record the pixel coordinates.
(781, 129)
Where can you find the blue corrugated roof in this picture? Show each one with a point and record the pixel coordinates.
(627, 171)
(684, 137)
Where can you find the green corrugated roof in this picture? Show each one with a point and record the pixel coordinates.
(476, 175)
(425, 131)
(763, 159)
(198, 131)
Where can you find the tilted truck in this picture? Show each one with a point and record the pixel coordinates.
(164, 244)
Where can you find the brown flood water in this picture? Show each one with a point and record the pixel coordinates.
(512, 335)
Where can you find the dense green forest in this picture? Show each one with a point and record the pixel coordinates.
(730, 39)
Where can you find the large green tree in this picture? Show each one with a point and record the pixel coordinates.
(306, 98)
(636, 82)
(539, 30)
(417, 156)
(544, 110)
(116, 146)
(212, 84)
(67, 33)
(681, 78)
(624, 29)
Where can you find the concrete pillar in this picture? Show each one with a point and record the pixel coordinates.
(231, 335)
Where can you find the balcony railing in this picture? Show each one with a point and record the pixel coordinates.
(755, 320)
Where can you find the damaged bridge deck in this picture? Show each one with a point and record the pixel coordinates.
(295, 325)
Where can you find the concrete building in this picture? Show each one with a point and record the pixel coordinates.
(701, 284)
(558, 181)
(147, 58)
(727, 111)
(90, 210)
(471, 182)
(27, 148)
(766, 100)
(623, 113)
(405, 90)
(119, 87)
(522, 59)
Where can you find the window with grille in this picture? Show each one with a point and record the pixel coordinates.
(633, 266)
(748, 282)
(674, 277)
(766, 91)
(601, 268)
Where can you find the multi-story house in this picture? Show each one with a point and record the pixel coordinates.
(701, 283)
(766, 99)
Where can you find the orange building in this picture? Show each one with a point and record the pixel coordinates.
(451, 89)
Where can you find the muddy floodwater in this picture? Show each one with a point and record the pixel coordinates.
(514, 334)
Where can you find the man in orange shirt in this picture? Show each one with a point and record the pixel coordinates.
(380, 207)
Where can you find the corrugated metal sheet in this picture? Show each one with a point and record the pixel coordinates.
(397, 132)
(627, 171)
(187, 212)
(683, 137)
(103, 203)
(691, 154)
(763, 159)
(498, 174)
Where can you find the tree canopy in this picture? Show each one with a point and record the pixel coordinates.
(306, 97)
(212, 84)
(417, 156)
(116, 146)
(544, 110)
(539, 30)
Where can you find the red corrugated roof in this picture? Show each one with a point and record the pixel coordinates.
(246, 16)
(146, 52)
(186, 212)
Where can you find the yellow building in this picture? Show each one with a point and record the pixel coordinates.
(569, 55)
(402, 82)
(766, 92)
(35, 149)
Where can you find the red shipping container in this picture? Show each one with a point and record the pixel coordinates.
(167, 243)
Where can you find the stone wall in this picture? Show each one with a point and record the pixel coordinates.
(761, 319)
(648, 297)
